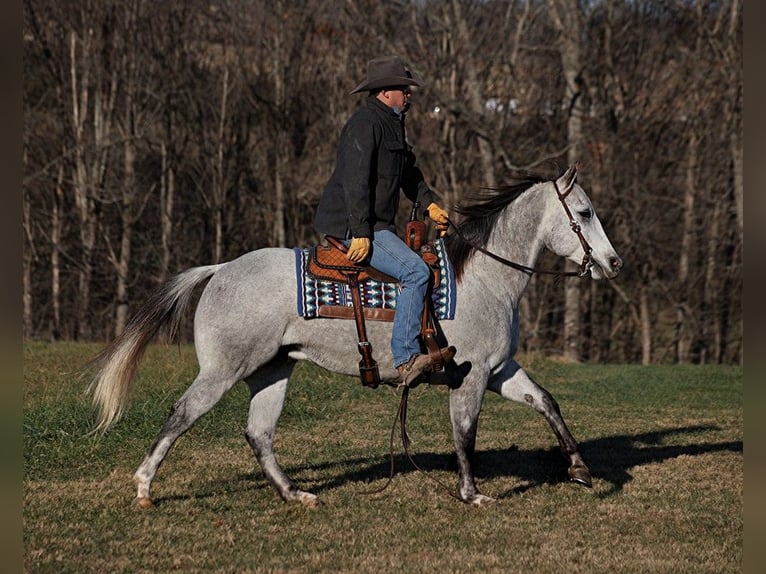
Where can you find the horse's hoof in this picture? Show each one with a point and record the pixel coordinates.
(580, 474)
(143, 502)
(309, 500)
(481, 500)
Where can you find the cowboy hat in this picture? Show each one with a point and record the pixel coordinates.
(385, 73)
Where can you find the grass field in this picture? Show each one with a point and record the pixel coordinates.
(664, 445)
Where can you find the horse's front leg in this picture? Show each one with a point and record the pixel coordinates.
(515, 384)
(465, 405)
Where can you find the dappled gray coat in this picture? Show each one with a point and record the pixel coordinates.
(373, 163)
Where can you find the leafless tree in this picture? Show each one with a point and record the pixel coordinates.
(160, 136)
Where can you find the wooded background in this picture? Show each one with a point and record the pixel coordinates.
(164, 135)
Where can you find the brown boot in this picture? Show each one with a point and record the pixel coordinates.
(414, 371)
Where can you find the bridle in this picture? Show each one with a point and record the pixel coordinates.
(587, 259)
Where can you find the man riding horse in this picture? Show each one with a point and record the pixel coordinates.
(360, 202)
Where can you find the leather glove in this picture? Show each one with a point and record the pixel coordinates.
(439, 216)
(359, 249)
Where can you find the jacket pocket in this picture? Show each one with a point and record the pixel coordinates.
(391, 160)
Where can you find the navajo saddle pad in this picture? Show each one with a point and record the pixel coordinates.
(317, 297)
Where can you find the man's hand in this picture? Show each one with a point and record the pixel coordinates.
(438, 216)
(359, 249)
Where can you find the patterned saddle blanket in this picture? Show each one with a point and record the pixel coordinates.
(323, 298)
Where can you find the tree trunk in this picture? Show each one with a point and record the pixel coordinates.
(27, 260)
(566, 17)
(90, 158)
(646, 325)
(739, 179)
(734, 65)
(711, 326)
(56, 238)
(280, 238)
(82, 187)
(167, 195)
(683, 331)
(128, 220)
(280, 150)
(219, 184)
(474, 93)
(734, 110)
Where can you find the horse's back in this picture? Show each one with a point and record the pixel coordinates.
(246, 305)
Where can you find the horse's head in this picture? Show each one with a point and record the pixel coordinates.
(574, 228)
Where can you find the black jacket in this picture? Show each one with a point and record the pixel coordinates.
(373, 163)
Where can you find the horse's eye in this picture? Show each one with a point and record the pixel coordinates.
(586, 214)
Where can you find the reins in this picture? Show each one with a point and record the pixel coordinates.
(401, 419)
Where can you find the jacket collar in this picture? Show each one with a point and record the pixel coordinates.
(383, 109)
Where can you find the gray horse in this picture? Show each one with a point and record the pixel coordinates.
(240, 334)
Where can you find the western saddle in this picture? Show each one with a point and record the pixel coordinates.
(330, 263)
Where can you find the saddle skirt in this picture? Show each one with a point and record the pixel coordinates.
(322, 297)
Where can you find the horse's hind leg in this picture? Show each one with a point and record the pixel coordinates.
(516, 385)
(206, 390)
(268, 387)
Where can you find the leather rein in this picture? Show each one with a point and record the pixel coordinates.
(587, 260)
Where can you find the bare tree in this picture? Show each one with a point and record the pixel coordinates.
(57, 224)
(93, 92)
(128, 69)
(27, 261)
(169, 49)
(567, 18)
(194, 133)
(473, 87)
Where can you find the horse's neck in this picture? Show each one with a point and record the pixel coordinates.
(516, 237)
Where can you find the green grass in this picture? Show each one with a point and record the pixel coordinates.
(664, 444)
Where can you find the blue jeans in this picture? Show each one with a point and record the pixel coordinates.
(391, 255)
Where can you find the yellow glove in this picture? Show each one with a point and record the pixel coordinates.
(359, 249)
(439, 216)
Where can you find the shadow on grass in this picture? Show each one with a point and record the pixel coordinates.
(609, 459)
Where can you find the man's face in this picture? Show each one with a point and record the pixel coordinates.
(397, 97)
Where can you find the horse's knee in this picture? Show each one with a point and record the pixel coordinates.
(550, 403)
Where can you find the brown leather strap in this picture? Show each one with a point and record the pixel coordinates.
(428, 331)
(368, 368)
(353, 282)
(342, 312)
(336, 243)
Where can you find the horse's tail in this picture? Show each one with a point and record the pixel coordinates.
(117, 363)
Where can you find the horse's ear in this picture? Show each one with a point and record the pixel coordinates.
(567, 180)
(573, 170)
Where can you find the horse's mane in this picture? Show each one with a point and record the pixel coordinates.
(479, 211)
